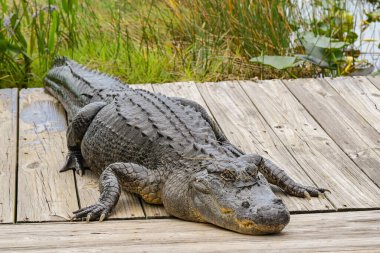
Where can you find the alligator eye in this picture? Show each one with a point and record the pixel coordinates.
(228, 175)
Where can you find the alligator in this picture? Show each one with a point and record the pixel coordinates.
(167, 150)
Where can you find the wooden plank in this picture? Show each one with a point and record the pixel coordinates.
(128, 206)
(186, 90)
(375, 80)
(329, 232)
(362, 95)
(146, 86)
(151, 211)
(245, 127)
(8, 156)
(43, 193)
(342, 123)
(315, 151)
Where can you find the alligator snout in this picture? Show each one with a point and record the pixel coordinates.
(266, 219)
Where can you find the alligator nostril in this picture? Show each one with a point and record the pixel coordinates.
(277, 201)
(245, 204)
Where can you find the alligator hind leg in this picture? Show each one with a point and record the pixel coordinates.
(278, 177)
(135, 178)
(75, 133)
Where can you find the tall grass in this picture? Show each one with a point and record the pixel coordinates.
(32, 34)
(148, 40)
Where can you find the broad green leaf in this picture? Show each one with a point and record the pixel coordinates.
(278, 62)
(322, 51)
(314, 60)
(321, 41)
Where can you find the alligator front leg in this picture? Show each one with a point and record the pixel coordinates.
(278, 177)
(135, 178)
(75, 133)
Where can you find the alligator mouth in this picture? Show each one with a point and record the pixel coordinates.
(250, 227)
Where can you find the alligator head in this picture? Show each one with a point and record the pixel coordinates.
(230, 194)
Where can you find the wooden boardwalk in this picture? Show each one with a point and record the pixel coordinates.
(323, 132)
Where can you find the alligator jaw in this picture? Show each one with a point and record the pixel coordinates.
(249, 227)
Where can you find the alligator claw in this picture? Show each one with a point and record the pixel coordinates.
(80, 172)
(309, 191)
(307, 195)
(74, 160)
(92, 212)
(88, 218)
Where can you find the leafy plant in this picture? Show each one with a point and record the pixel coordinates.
(278, 62)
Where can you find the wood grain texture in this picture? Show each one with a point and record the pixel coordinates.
(8, 149)
(326, 164)
(375, 80)
(246, 128)
(44, 194)
(355, 136)
(329, 232)
(362, 95)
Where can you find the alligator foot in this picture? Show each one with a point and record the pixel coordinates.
(93, 212)
(74, 160)
(299, 190)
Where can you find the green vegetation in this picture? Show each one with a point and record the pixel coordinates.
(170, 40)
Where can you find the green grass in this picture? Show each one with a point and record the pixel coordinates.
(149, 40)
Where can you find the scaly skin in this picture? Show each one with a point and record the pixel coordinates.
(168, 151)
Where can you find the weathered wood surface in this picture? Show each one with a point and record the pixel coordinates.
(331, 232)
(8, 149)
(356, 137)
(375, 81)
(320, 157)
(43, 193)
(245, 127)
(362, 95)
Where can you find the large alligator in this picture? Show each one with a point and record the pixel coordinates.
(167, 150)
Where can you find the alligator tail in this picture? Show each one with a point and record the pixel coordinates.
(76, 86)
